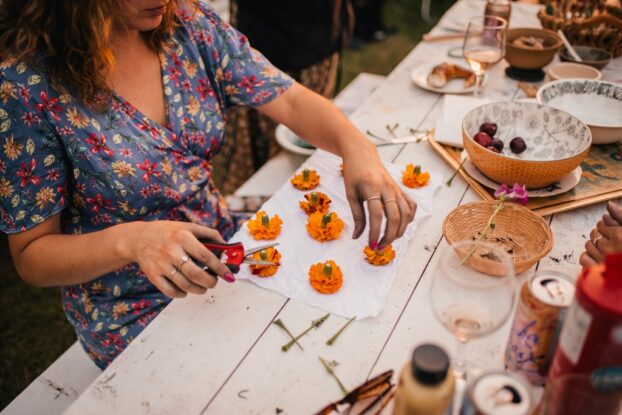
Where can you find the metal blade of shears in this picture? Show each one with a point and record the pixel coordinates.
(258, 262)
(259, 248)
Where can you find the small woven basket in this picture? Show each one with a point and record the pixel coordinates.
(603, 30)
(519, 231)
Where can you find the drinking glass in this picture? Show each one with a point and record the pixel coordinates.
(472, 293)
(484, 45)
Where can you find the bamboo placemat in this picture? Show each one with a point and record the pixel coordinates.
(601, 179)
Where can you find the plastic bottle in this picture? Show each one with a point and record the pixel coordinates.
(426, 383)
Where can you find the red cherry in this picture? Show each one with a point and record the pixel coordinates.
(483, 139)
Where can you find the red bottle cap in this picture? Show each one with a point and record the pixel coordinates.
(602, 286)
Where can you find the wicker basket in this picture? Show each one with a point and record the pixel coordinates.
(522, 233)
(603, 30)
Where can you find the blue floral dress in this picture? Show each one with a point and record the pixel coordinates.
(100, 169)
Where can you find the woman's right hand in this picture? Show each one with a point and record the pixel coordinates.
(165, 250)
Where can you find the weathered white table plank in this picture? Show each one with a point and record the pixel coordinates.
(219, 353)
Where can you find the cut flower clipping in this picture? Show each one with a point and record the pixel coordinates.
(268, 254)
(306, 180)
(326, 277)
(324, 226)
(315, 202)
(264, 226)
(414, 178)
(378, 257)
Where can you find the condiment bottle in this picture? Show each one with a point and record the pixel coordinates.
(590, 342)
(426, 383)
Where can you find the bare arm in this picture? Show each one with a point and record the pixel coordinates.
(316, 119)
(45, 257)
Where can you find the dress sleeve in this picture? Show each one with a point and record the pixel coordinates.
(33, 169)
(243, 75)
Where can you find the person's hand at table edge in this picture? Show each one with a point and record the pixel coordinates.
(318, 121)
(605, 238)
(165, 251)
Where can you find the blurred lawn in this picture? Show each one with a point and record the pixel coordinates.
(32, 322)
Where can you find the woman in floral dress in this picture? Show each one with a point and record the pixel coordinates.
(110, 112)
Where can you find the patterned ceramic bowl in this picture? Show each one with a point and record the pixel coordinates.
(556, 141)
(596, 103)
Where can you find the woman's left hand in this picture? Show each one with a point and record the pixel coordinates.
(368, 182)
(605, 238)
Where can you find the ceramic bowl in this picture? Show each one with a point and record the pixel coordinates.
(597, 103)
(530, 58)
(571, 70)
(595, 57)
(556, 141)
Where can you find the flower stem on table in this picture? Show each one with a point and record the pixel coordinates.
(453, 176)
(314, 325)
(391, 129)
(330, 341)
(489, 225)
(329, 369)
(280, 323)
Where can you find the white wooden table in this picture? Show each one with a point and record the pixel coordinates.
(220, 354)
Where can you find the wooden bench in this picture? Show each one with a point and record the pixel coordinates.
(58, 387)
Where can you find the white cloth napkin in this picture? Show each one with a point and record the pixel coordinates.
(365, 287)
(449, 126)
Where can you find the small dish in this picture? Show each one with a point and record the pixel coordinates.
(290, 141)
(456, 86)
(597, 103)
(564, 185)
(595, 57)
(571, 70)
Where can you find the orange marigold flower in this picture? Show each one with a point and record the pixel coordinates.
(324, 226)
(307, 180)
(264, 226)
(414, 178)
(316, 202)
(326, 277)
(378, 257)
(268, 254)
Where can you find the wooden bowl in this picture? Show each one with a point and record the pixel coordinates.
(530, 58)
(519, 231)
(557, 143)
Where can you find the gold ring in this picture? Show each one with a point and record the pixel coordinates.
(595, 240)
(184, 259)
(390, 200)
(373, 198)
(172, 274)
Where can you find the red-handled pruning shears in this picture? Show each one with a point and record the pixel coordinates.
(233, 255)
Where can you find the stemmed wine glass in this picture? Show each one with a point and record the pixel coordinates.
(484, 45)
(472, 293)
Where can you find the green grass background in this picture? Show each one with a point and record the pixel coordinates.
(33, 325)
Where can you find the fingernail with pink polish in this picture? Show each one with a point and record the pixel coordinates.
(373, 245)
(229, 277)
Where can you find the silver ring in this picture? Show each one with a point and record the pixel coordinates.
(595, 240)
(184, 259)
(373, 198)
(173, 273)
(390, 200)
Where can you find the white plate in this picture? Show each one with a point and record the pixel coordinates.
(290, 141)
(456, 86)
(565, 184)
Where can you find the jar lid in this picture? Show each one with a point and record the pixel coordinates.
(429, 364)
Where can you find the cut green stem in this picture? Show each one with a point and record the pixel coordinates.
(453, 176)
(489, 225)
(332, 339)
(377, 137)
(314, 325)
(280, 323)
(332, 373)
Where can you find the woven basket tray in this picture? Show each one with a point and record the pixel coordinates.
(522, 233)
(601, 31)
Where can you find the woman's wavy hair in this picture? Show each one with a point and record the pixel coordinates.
(71, 40)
